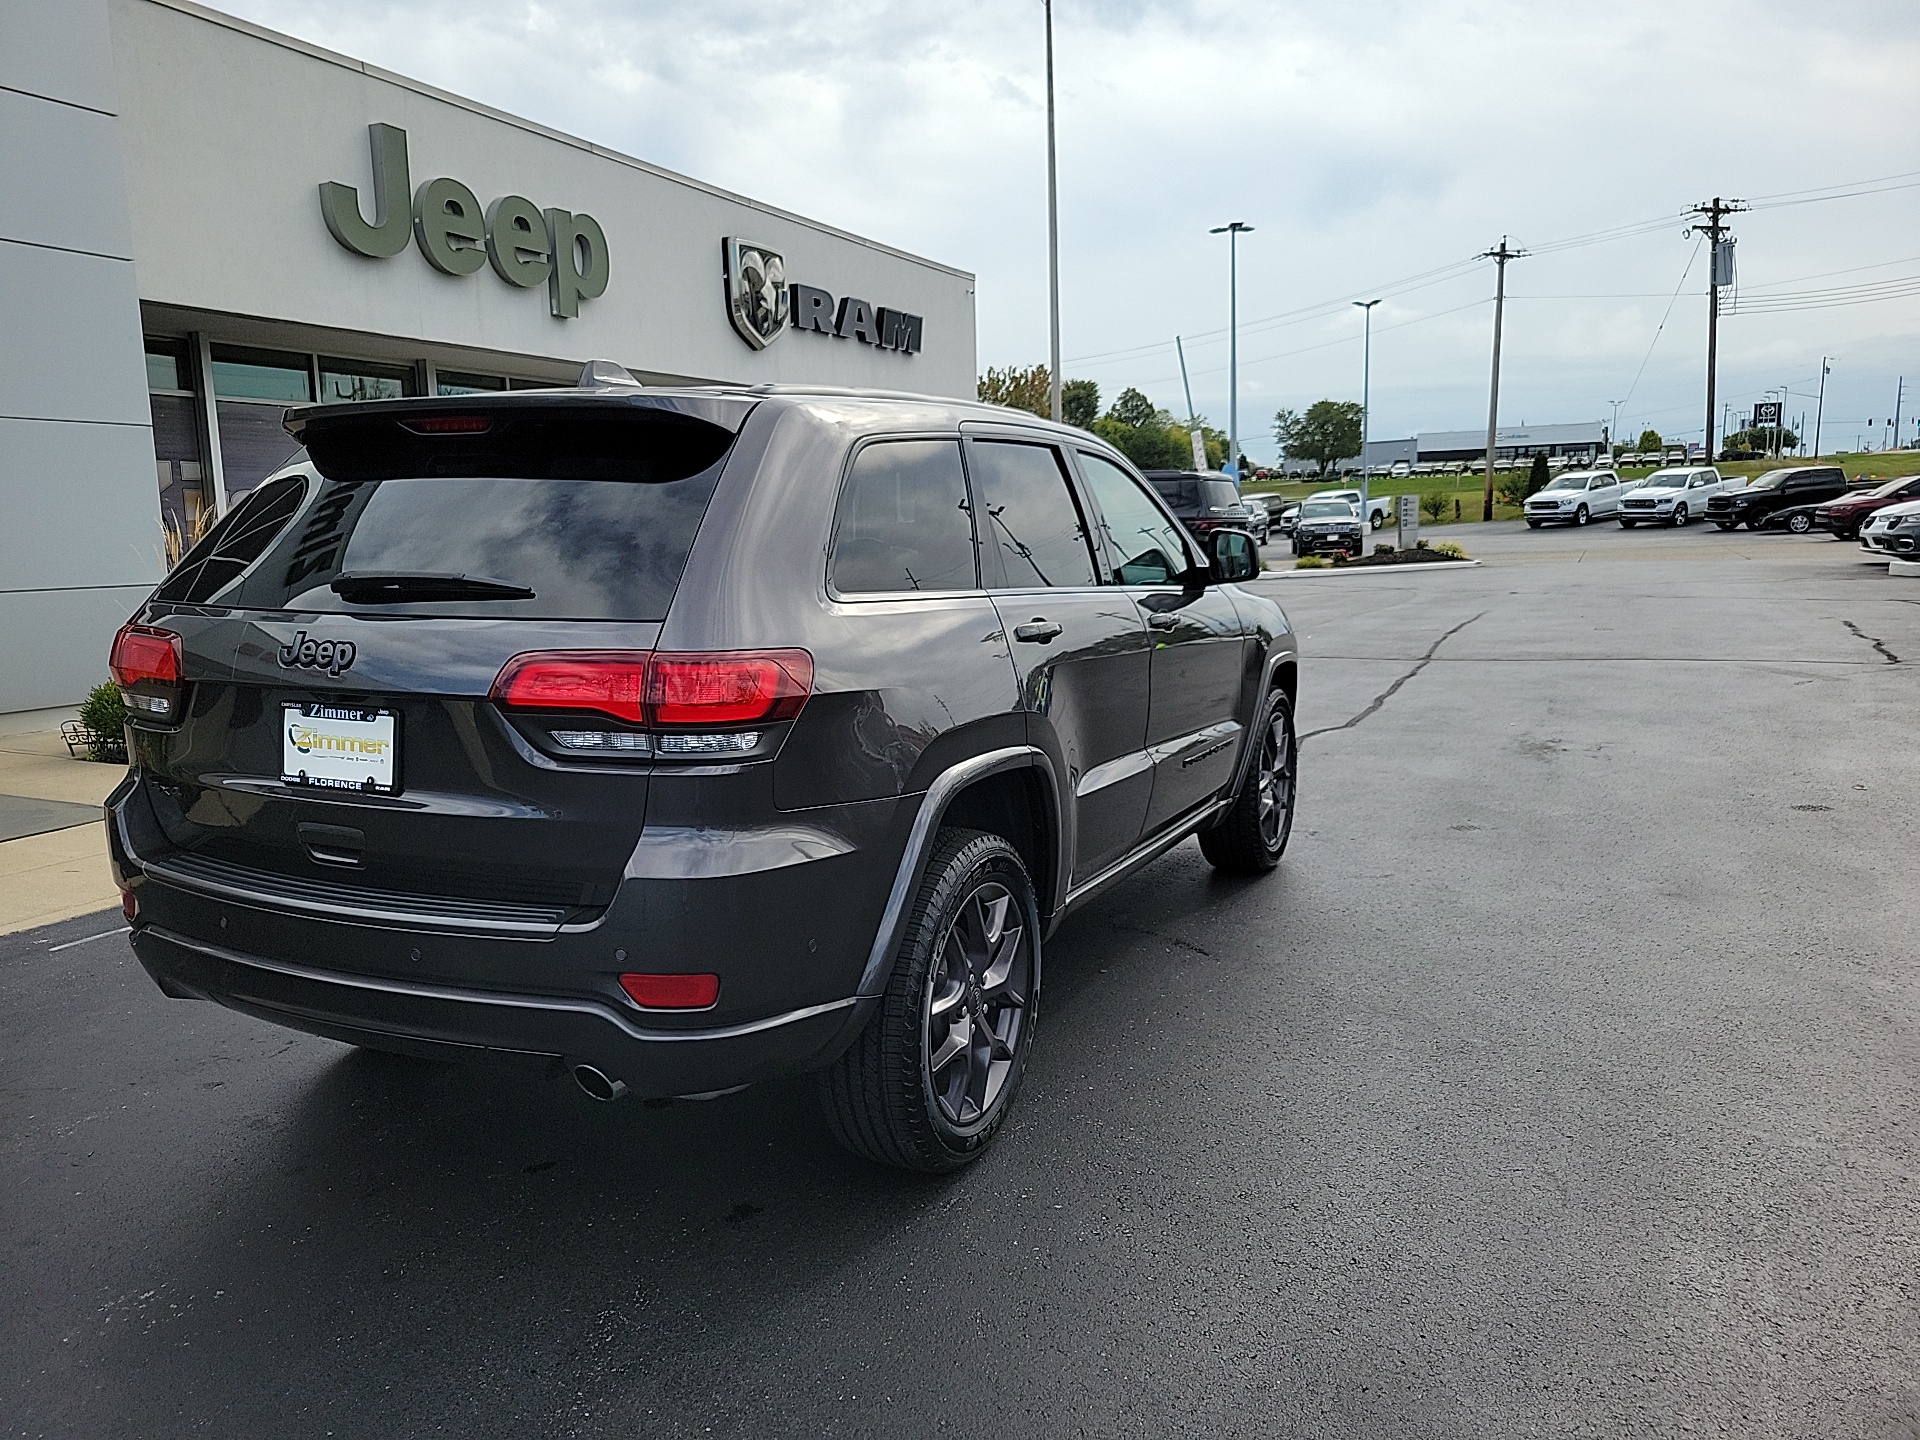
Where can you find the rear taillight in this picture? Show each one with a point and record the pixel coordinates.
(148, 665)
(698, 703)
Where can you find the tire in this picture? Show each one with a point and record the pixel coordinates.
(1580, 516)
(1251, 837)
(1800, 524)
(1680, 517)
(965, 983)
(1377, 520)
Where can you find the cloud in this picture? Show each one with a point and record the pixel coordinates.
(1366, 142)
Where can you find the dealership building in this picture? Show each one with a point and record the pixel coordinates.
(203, 222)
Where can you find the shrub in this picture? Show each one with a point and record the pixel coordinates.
(1511, 488)
(1434, 502)
(1311, 562)
(103, 715)
(1538, 475)
(1450, 550)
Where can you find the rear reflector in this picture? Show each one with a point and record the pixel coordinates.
(708, 691)
(142, 653)
(672, 992)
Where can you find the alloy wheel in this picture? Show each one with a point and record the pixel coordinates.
(977, 999)
(1580, 516)
(1679, 515)
(1275, 780)
(1799, 524)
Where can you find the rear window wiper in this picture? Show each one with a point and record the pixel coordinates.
(400, 587)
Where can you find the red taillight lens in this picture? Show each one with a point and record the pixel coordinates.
(142, 653)
(707, 691)
(607, 682)
(741, 687)
(672, 992)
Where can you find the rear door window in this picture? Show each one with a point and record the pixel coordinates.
(1030, 522)
(904, 521)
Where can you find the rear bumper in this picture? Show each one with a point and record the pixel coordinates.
(462, 1024)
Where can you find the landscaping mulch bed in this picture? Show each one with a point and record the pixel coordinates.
(1399, 557)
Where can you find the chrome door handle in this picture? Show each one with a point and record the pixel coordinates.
(1040, 630)
(1160, 620)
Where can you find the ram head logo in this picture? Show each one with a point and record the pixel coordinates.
(756, 291)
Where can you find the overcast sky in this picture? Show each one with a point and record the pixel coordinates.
(1368, 142)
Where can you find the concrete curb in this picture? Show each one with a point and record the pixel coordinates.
(1908, 568)
(1374, 569)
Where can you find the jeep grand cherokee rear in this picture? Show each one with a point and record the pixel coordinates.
(539, 727)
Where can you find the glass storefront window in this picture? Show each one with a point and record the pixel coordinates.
(519, 384)
(167, 367)
(261, 375)
(342, 380)
(454, 382)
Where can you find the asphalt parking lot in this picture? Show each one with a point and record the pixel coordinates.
(1561, 1082)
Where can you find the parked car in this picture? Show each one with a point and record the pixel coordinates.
(679, 739)
(1671, 497)
(1844, 515)
(1575, 497)
(1773, 494)
(1327, 525)
(1206, 501)
(1893, 530)
(1379, 507)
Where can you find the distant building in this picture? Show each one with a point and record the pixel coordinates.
(1515, 442)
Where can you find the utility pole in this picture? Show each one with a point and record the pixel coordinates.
(1613, 431)
(1820, 409)
(1194, 435)
(1500, 255)
(1899, 394)
(1233, 232)
(1053, 238)
(1719, 272)
(1366, 403)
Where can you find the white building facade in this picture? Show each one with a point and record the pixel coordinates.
(203, 222)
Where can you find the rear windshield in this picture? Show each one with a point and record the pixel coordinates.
(593, 525)
(1220, 494)
(1179, 491)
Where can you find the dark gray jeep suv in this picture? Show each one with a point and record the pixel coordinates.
(682, 738)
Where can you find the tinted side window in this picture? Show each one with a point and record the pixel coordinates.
(904, 521)
(1029, 517)
(1146, 546)
(235, 543)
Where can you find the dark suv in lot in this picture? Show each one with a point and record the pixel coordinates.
(680, 739)
(1778, 498)
(1205, 502)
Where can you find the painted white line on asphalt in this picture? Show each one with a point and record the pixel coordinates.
(56, 949)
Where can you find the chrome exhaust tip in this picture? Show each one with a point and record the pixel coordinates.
(598, 1085)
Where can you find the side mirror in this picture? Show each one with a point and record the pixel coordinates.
(1235, 557)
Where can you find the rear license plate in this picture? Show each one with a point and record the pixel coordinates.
(341, 747)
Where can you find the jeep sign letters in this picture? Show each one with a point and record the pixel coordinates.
(526, 245)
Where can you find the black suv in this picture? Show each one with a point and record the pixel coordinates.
(1205, 502)
(1762, 503)
(679, 739)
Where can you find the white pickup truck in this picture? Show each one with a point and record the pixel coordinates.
(1673, 496)
(1575, 497)
(1379, 507)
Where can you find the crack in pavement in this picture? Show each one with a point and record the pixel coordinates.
(1393, 689)
(1880, 645)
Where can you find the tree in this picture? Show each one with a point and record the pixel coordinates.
(1329, 431)
(1134, 409)
(1151, 447)
(1537, 475)
(1018, 389)
(1649, 440)
(1080, 403)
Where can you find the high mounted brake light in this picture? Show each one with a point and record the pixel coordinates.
(661, 690)
(449, 425)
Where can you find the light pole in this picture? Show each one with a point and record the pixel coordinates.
(1820, 408)
(1613, 431)
(1233, 232)
(1053, 240)
(1366, 401)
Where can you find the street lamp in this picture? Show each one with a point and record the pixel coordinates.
(1366, 400)
(1613, 431)
(1053, 241)
(1233, 232)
